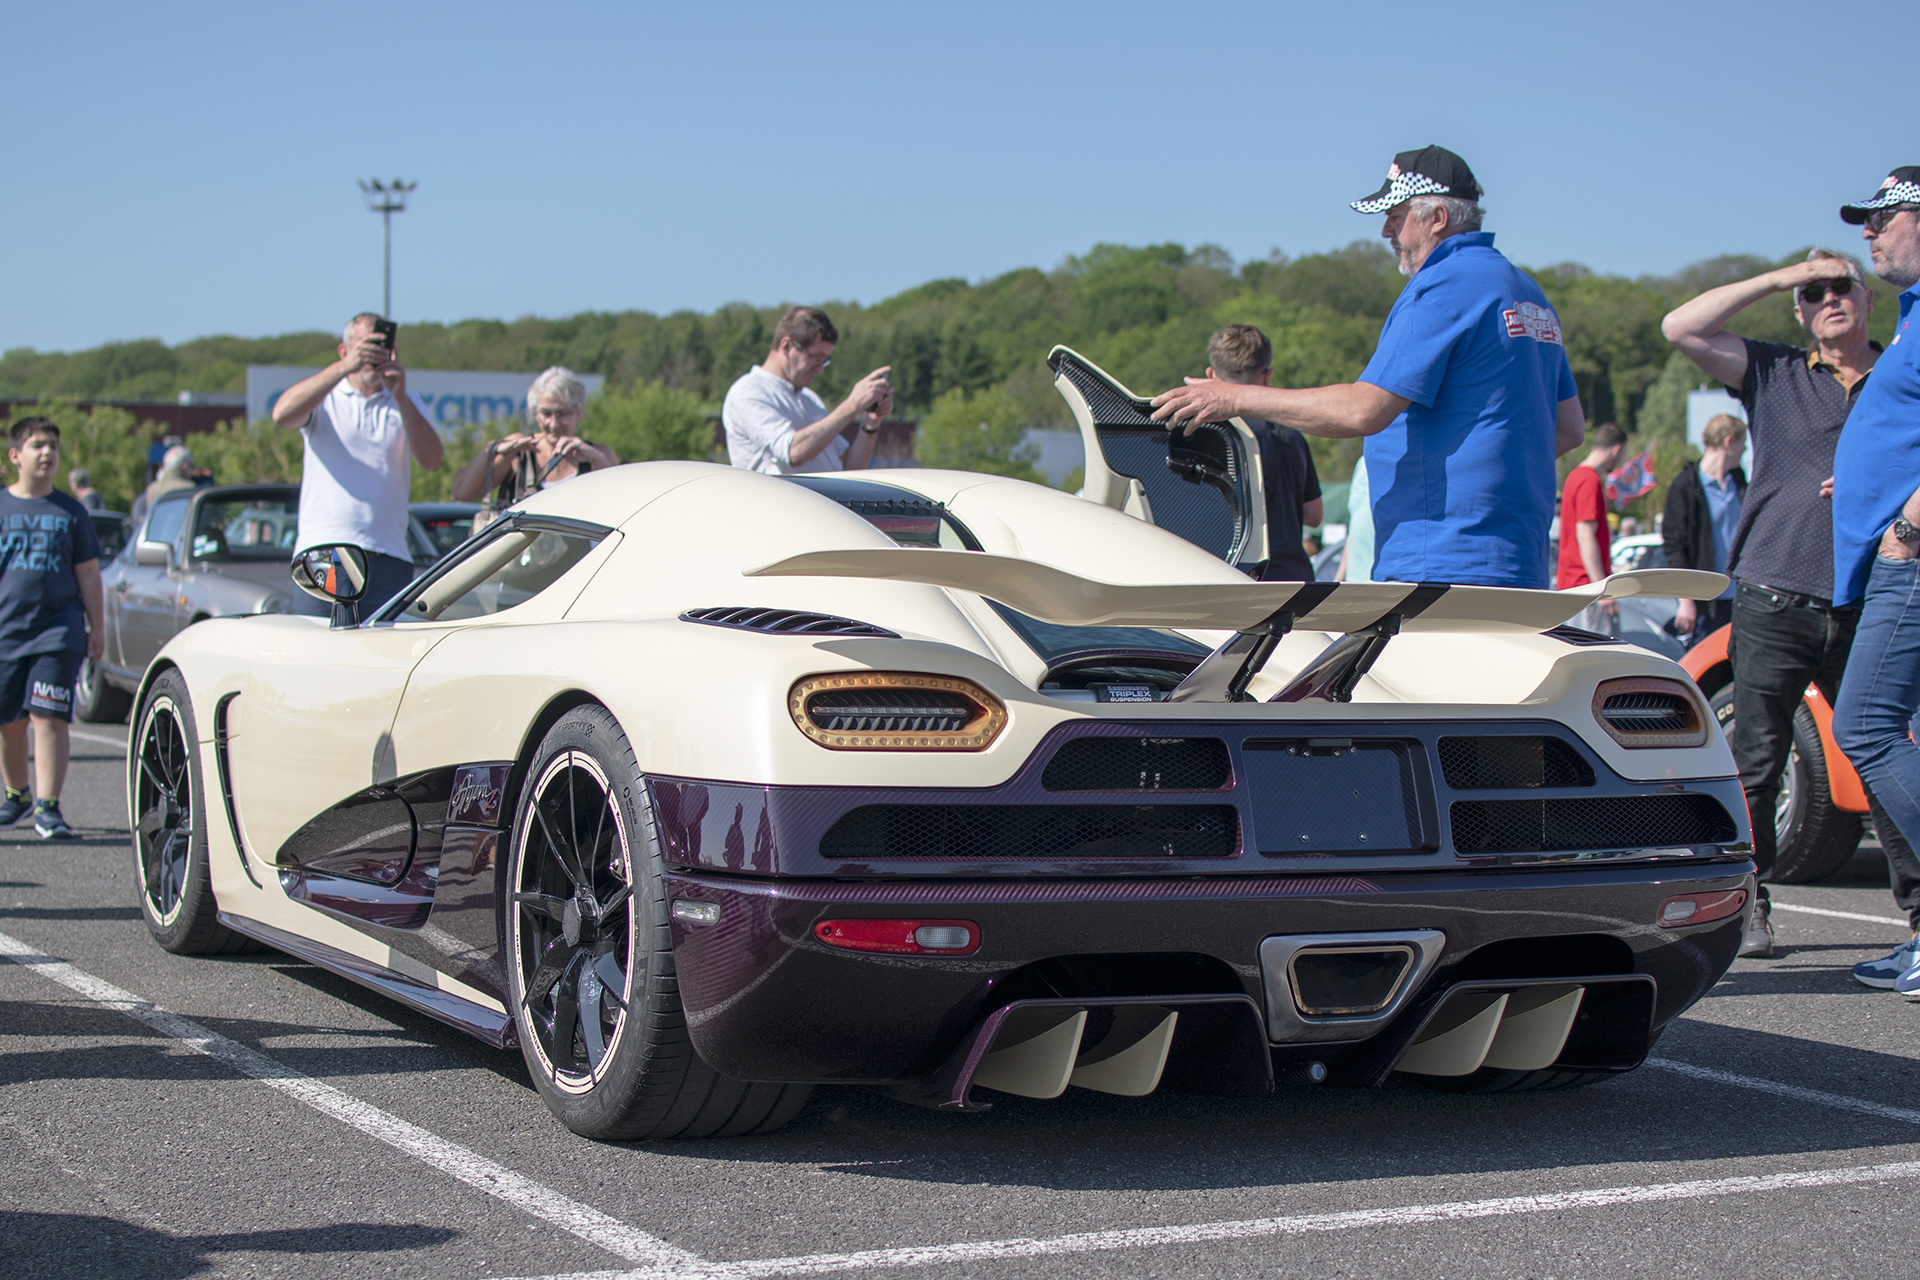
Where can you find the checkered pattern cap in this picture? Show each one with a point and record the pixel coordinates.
(1431, 171)
(1901, 187)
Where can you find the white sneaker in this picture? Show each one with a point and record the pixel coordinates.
(1883, 973)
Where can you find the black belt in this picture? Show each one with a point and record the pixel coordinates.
(1799, 599)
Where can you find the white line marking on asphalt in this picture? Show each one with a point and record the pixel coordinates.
(98, 737)
(1305, 1224)
(1794, 1091)
(470, 1167)
(1838, 915)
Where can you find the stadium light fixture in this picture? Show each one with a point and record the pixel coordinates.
(387, 199)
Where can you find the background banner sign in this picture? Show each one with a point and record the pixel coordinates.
(451, 397)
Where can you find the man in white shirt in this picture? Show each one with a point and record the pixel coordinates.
(777, 425)
(360, 426)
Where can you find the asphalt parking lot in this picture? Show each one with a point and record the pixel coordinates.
(254, 1116)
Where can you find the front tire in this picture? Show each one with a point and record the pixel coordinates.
(167, 811)
(96, 701)
(589, 954)
(1814, 837)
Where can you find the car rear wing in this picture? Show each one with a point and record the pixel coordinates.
(1204, 485)
(1365, 614)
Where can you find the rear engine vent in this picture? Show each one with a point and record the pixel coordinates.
(1139, 764)
(1649, 712)
(786, 622)
(969, 833)
(895, 711)
(889, 711)
(1509, 762)
(1589, 822)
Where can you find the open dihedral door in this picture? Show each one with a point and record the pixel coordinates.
(1206, 486)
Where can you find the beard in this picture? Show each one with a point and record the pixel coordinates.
(1406, 263)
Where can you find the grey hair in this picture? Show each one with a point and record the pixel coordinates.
(346, 334)
(1817, 254)
(559, 381)
(176, 460)
(1462, 215)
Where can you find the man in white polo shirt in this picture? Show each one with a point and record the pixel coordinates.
(777, 425)
(360, 425)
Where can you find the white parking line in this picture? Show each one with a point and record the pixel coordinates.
(1838, 915)
(1305, 1224)
(98, 737)
(1794, 1091)
(657, 1256)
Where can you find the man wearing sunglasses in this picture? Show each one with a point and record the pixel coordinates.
(1876, 539)
(776, 423)
(1787, 630)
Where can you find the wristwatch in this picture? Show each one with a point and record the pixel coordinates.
(1905, 530)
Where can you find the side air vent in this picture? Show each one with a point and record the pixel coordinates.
(1511, 762)
(786, 622)
(1139, 764)
(1648, 711)
(973, 832)
(1590, 822)
(890, 711)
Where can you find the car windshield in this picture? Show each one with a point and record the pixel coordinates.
(240, 529)
(1053, 641)
(447, 532)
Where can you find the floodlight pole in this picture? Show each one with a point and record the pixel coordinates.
(386, 200)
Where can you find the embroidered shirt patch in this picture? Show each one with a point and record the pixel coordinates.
(1531, 320)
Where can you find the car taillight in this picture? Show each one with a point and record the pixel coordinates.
(1700, 908)
(901, 937)
(896, 711)
(1646, 711)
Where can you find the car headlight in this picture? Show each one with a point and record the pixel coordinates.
(896, 711)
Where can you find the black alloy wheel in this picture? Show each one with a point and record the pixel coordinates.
(95, 700)
(1813, 837)
(167, 804)
(576, 921)
(590, 965)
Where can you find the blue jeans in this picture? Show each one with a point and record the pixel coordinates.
(1881, 692)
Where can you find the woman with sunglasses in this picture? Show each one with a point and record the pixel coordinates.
(521, 462)
(1787, 633)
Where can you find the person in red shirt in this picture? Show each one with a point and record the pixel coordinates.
(1585, 543)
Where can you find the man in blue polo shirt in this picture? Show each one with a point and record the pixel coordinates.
(1876, 536)
(1465, 405)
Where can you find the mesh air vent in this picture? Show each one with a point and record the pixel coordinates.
(1508, 762)
(884, 832)
(1648, 712)
(1139, 764)
(785, 622)
(1597, 822)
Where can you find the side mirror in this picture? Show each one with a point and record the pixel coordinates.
(336, 573)
(153, 555)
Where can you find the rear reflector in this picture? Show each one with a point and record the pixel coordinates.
(1700, 908)
(901, 937)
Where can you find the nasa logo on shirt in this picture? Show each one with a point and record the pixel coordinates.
(1531, 320)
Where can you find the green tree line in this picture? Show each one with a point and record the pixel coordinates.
(967, 358)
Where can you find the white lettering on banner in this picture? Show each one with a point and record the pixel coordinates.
(450, 398)
(1531, 320)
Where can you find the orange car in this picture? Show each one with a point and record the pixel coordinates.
(1817, 817)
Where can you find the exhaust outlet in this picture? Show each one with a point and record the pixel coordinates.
(1333, 982)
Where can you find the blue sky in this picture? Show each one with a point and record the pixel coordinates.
(189, 169)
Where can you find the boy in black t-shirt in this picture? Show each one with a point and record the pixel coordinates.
(1241, 353)
(50, 619)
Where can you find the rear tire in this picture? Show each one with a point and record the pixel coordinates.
(98, 702)
(167, 809)
(1814, 837)
(590, 964)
